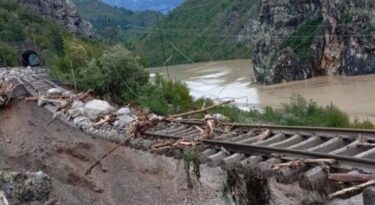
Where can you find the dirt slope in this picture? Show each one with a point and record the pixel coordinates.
(64, 153)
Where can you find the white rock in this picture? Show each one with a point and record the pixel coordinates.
(41, 102)
(76, 112)
(57, 91)
(124, 120)
(124, 111)
(94, 108)
(67, 93)
(77, 104)
(219, 116)
(82, 122)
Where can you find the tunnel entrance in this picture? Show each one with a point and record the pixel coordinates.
(30, 58)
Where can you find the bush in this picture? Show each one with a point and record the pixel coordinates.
(117, 73)
(8, 55)
(165, 97)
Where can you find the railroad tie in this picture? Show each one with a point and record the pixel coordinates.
(249, 162)
(288, 142)
(276, 138)
(310, 142)
(229, 161)
(328, 146)
(350, 149)
(203, 157)
(214, 160)
(241, 137)
(369, 154)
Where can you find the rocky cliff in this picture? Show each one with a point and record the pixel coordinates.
(299, 39)
(62, 11)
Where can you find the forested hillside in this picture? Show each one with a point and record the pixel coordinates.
(114, 24)
(194, 31)
(143, 5)
(201, 31)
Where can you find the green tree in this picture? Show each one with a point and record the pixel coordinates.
(117, 73)
(56, 41)
(8, 55)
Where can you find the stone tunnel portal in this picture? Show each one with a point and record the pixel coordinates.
(30, 58)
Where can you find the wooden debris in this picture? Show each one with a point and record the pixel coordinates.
(366, 144)
(264, 135)
(298, 163)
(3, 199)
(201, 110)
(6, 90)
(351, 177)
(106, 119)
(351, 190)
(210, 121)
(88, 171)
(162, 144)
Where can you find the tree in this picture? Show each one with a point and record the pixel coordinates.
(117, 73)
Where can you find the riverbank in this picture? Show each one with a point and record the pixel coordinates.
(235, 79)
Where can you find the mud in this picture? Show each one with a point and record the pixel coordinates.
(64, 153)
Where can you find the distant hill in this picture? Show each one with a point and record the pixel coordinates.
(200, 31)
(112, 22)
(194, 31)
(143, 5)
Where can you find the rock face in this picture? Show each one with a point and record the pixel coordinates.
(299, 39)
(62, 11)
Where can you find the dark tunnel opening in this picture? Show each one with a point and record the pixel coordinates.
(30, 58)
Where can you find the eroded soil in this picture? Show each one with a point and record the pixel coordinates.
(27, 143)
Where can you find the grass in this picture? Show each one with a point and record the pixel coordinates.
(297, 112)
(191, 165)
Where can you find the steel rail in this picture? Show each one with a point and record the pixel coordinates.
(345, 161)
(301, 129)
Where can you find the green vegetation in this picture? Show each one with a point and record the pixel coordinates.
(191, 165)
(201, 30)
(113, 25)
(300, 41)
(195, 31)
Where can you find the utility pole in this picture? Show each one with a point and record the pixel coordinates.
(163, 46)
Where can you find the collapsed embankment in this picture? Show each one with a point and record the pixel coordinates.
(27, 143)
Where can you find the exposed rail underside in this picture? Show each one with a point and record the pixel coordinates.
(344, 145)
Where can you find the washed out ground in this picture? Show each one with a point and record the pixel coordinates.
(27, 143)
(128, 176)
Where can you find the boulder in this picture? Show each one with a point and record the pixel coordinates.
(76, 112)
(82, 122)
(55, 91)
(124, 120)
(25, 188)
(77, 104)
(124, 111)
(95, 108)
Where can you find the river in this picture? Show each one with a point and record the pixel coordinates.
(235, 79)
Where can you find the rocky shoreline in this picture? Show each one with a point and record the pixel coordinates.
(296, 40)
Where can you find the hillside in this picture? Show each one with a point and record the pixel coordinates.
(143, 5)
(300, 40)
(194, 31)
(112, 23)
(201, 31)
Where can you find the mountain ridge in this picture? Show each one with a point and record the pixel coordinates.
(143, 5)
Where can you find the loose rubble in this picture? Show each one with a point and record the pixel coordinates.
(24, 188)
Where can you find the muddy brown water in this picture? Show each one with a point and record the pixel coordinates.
(235, 79)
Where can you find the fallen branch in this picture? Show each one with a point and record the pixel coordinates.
(88, 171)
(366, 144)
(298, 163)
(107, 118)
(352, 189)
(201, 110)
(264, 135)
(351, 177)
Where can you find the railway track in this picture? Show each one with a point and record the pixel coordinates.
(344, 145)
